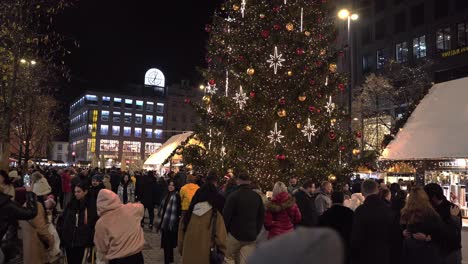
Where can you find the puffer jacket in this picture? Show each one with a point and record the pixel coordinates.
(282, 213)
(186, 194)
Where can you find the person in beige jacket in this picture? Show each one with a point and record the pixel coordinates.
(119, 237)
(195, 228)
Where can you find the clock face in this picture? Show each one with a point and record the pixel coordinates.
(155, 78)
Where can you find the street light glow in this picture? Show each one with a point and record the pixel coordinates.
(354, 17)
(343, 14)
(23, 61)
(202, 87)
(33, 62)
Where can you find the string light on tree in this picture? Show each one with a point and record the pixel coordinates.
(330, 106)
(275, 135)
(276, 60)
(309, 130)
(241, 98)
(243, 4)
(227, 82)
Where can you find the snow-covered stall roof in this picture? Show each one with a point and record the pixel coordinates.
(438, 128)
(166, 149)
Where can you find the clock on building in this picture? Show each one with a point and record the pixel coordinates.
(154, 77)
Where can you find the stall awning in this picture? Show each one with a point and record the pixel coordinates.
(166, 149)
(438, 128)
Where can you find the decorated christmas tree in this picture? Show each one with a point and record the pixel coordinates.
(270, 103)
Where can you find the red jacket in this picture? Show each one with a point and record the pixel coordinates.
(281, 215)
(66, 183)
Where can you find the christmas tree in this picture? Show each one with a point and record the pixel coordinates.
(270, 104)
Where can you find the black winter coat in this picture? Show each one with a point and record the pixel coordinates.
(373, 230)
(452, 228)
(244, 214)
(180, 179)
(306, 204)
(159, 191)
(75, 230)
(55, 182)
(145, 191)
(115, 178)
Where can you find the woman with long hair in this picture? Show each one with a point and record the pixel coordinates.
(423, 230)
(197, 226)
(168, 221)
(126, 190)
(282, 212)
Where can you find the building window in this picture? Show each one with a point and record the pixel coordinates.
(116, 117)
(105, 116)
(106, 101)
(60, 147)
(138, 118)
(117, 102)
(139, 105)
(381, 58)
(401, 52)
(159, 120)
(417, 15)
(380, 29)
(128, 103)
(419, 47)
(91, 99)
(116, 131)
(462, 29)
(365, 64)
(131, 147)
(443, 39)
(109, 145)
(138, 132)
(149, 106)
(59, 156)
(104, 130)
(127, 131)
(160, 108)
(441, 8)
(148, 133)
(149, 119)
(128, 118)
(400, 22)
(158, 133)
(366, 36)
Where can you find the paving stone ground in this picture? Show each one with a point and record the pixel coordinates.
(152, 250)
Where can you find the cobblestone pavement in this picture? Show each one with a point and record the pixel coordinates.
(152, 250)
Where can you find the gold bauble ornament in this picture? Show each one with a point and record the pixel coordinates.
(332, 178)
(307, 33)
(290, 73)
(207, 99)
(290, 27)
(298, 125)
(248, 128)
(281, 112)
(250, 71)
(356, 152)
(323, 52)
(332, 67)
(235, 7)
(223, 8)
(333, 121)
(302, 97)
(262, 16)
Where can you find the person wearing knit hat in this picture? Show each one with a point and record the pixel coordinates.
(41, 187)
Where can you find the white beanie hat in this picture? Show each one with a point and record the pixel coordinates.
(41, 187)
(13, 174)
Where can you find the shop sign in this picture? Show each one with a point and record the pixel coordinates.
(454, 52)
(451, 164)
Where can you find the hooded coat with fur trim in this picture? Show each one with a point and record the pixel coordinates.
(281, 215)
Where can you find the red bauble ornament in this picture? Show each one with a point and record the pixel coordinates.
(342, 148)
(299, 51)
(341, 87)
(187, 101)
(318, 63)
(265, 33)
(241, 58)
(208, 60)
(332, 135)
(318, 110)
(277, 27)
(212, 82)
(319, 95)
(312, 82)
(359, 134)
(280, 157)
(276, 9)
(208, 28)
(228, 114)
(282, 101)
(312, 108)
(252, 94)
(320, 36)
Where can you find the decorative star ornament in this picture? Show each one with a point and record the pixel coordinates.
(243, 7)
(211, 89)
(276, 60)
(241, 98)
(230, 19)
(223, 151)
(309, 130)
(275, 135)
(330, 106)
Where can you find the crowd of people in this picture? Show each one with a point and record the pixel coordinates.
(98, 216)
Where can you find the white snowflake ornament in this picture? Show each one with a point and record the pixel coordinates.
(276, 60)
(241, 98)
(309, 130)
(275, 135)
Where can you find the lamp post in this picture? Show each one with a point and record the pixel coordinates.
(345, 14)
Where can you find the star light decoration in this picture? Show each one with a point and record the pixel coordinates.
(211, 89)
(309, 130)
(230, 19)
(276, 60)
(330, 106)
(241, 98)
(275, 135)
(243, 7)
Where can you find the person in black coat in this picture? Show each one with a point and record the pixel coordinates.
(373, 228)
(10, 213)
(160, 190)
(55, 182)
(180, 178)
(145, 194)
(339, 218)
(305, 202)
(115, 178)
(212, 178)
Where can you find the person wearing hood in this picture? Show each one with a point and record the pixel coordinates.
(168, 220)
(305, 202)
(196, 228)
(187, 192)
(282, 213)
(37, 240)
(119, 242)
(323, 201)
(126, 190)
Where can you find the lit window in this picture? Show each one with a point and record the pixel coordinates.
(149, 106)
(151, 148)
(117, 102)
(443, 39)
(116, 117)
(91, 99)
(105, 116)
(128, 103)
(139, 105)
(159, 120)
(148, 133)
(380, 59)
(128, 118)
(105, 101)
(137, 132)
(401, 52)
(116, 130)
(109, 145)
(160, 108)
(419, 47)
(138, 118)
(158, 133)
(127, 131)
(131, 147)
(104, 130)
(149, 119)
(462, 34)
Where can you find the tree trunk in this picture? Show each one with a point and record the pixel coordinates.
(5, 141)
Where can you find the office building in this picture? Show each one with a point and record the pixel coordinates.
(58, 151)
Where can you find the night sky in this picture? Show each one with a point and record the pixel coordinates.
(120, 40)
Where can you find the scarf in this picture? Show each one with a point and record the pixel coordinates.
(169, 218)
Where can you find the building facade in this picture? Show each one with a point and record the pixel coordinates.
(59, 151)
